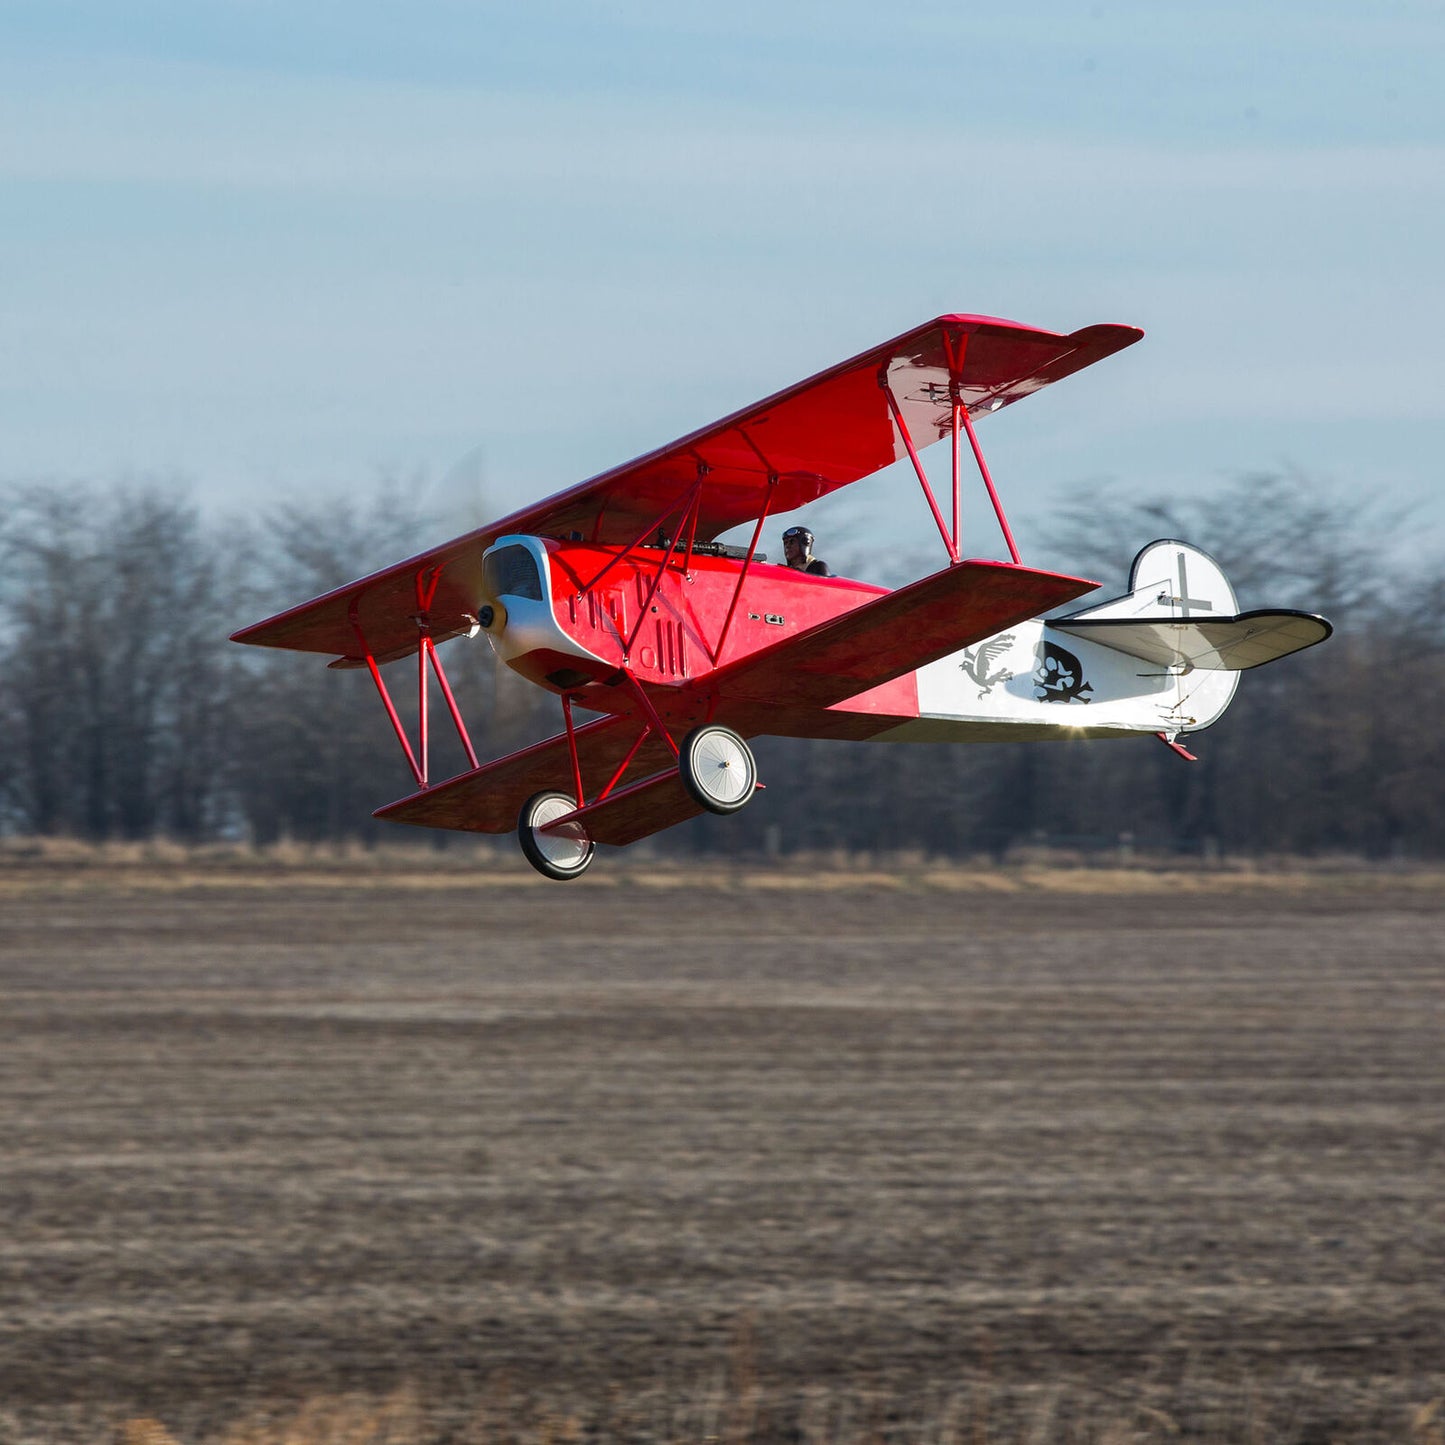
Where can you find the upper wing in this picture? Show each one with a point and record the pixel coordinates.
(823, 433)
(815, 437)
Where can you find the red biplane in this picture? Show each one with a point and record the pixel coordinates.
(616, 596)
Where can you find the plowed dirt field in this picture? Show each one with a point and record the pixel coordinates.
(981, 1157)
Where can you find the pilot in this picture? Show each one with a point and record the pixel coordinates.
(798, 552)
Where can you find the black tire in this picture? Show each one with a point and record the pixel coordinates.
(561, 854)
(718, 769)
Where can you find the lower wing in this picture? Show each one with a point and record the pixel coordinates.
(488, 799)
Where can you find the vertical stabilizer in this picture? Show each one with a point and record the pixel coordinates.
(1169, 581)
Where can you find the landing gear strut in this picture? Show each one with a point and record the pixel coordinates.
(716, 768)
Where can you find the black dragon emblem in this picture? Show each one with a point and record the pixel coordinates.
(1059, 677)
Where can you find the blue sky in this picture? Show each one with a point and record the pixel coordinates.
(280, 250)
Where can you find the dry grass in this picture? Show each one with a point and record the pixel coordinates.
(71, 865)
(729, 1415)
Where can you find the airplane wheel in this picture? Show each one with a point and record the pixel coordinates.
(559, 853)
(718, 769)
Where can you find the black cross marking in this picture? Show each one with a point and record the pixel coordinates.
(1184, 600)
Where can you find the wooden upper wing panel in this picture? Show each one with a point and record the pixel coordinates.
(801, 443)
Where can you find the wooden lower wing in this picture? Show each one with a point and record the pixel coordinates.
(488, 799)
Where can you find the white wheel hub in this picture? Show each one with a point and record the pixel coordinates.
(722, 767)
(555, 849)
(567, 845)
(718, 769)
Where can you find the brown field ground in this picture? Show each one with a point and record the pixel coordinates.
(421, 1152)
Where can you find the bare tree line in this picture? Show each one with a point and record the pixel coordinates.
(125, 713)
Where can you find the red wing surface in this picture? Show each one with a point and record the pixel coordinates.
(884, 639)
(814, 437)
(831, 430)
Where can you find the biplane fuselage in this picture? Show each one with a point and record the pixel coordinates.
(668, 616)
(616, 596)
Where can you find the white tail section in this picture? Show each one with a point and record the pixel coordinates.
(1163, 658)
(1169, 581)
(1181, 612)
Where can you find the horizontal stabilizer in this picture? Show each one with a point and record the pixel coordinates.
(1213, 644)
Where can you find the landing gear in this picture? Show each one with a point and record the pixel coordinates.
(717, 768)
(559, 853)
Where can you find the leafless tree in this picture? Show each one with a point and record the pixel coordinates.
(125, 712)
